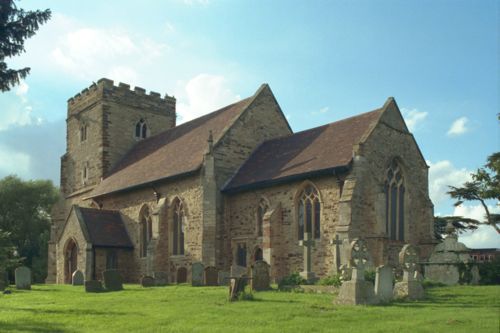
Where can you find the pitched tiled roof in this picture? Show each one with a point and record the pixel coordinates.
(171, 153)
(313, 151)
(104, 228)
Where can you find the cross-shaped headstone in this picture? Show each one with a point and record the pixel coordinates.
(358, 258)
(336, 242)
(308, 244)
(408, 258)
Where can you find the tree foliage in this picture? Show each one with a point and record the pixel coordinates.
(485, 185)
(24, 214)
(16, 25)
(8, 254)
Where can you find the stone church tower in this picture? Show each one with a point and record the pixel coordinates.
(103, 123)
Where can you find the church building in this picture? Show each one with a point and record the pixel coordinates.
(142, 194)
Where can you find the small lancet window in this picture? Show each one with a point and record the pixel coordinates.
(83, 133)
(309, 212)
(261, 211)
(146, 230)
(178, 227)
(394, 190)
(85, 174)
(141, 129)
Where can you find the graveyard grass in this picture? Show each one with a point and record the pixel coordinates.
(182, 308)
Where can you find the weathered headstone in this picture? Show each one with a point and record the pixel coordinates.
(357, 290)
(409, 287)
(236, 287)
(112, 280)
(197, 270)
(23, 278)
(336, 243)
(148, 281)
(238, 271)
(308, 244)
(260, 276)
(475, 275)
(161, 278)
(93, 286)
(383, 283)
(77, 279)
(211, 276)
(223, 278)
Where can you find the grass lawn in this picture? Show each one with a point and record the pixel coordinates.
(62, 308)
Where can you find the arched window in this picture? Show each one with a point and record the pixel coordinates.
(261, 210)
(394, 202)
(83, 132)
(141, 129)
(178, 227)
(146, 230)
(85, 174)
(309, 212)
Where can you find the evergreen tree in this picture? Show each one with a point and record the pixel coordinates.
(16, 25)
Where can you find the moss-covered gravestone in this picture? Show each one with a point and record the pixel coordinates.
(23, 278)
(112, 280)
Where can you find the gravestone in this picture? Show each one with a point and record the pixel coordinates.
(308, 243)
(77, 278)
(197, 270)
(475, 275)
(336, 243)
(238, 271)
(409, 287)
(148, 281)
(161, 278)
(236, 287)
(260, 276)
(93, 286)
(357, 290)
(211, 276)
(23, 278)
(345, 273)
(383, 283)
(112, 280)
(223, 278)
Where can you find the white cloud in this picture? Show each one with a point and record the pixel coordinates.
(458, 127)
(22, 88)
(16, 110)
(13, 162)
(413, 118)
(443, 174)
(202, 94)
(476, 212)
(484, 237)
(323, 110)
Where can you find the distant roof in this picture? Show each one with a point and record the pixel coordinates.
(174, 152)
(104, 228)
(318, 150)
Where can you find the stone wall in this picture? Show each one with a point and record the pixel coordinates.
(241, 222)
(125, 260)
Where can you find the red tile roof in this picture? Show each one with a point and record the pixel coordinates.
(313, 151)
(175, 152)
(104, 228)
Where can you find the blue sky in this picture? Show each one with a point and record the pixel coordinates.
(324, 60)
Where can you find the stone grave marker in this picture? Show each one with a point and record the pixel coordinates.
(77, 279)
(112, 280)
(383, 283)
(161, 278)
(23, 278)
(93, 286)
(357, 290)
(308, 244)
(148, 281)
(236, 287)
(409, 287)
(475, 275)
(197, 270)
(211, 276)
(260, 276)
(223, 278)
(238, 271)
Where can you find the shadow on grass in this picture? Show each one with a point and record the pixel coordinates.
(77, 312)
(34, 326)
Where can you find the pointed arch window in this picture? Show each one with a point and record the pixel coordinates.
(261, 211)
(141, 129)
(394, 190)
(146, 230)
(309, 212)
(178, 227)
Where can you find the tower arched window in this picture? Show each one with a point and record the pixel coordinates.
(309, 212)
(261, 211)
(179, 224)
(394, 202)
(145, 230)
(141, 129)
(83, 132)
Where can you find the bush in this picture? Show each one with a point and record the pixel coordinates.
(370, 276)
(490, 272)
(293, 279)
(332, 280)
